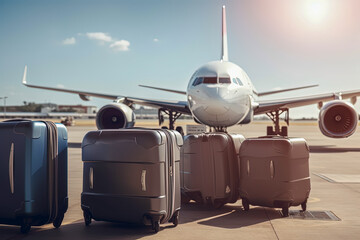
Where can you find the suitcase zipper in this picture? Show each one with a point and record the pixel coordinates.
(171, 177)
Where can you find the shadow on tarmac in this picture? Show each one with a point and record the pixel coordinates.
(229, 217)
(331, 149)
(78, 230)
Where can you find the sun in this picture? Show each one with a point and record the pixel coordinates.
(316, 10)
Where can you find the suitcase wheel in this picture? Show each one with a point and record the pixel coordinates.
(87, 218)
(25, 228)
(245, 204)
(303, 206)
(156, 226)
(57, 222)
(218, 203)
(175, 218)
(285, 211)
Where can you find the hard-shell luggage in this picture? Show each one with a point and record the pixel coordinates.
(33, 173)
(132, 176)
(274, 172)
(209, 168)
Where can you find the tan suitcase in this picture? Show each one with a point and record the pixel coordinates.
(209, 168)
(274, 172)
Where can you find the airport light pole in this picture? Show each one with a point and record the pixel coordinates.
(4, 105)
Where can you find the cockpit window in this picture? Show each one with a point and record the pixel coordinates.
(235, 81)
(224, 80)
(239, 82)
(210, 80)
(198, 81)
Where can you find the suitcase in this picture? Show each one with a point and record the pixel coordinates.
(33, 173)
(274, 172)
(209, 168)
(132, 176)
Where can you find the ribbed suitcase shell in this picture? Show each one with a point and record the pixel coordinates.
(24, 174)
(131, 175)
(209, 168)
(274, 171)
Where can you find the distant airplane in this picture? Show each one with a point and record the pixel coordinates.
(220, 94)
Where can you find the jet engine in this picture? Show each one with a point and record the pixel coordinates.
(114, 116)
(338, 119)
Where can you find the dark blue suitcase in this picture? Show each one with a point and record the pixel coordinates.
(33, 173)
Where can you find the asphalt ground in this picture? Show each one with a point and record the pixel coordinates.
(335, 182)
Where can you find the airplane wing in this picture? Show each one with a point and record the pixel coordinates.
(177, 106)
(164, 89)
(271, 105)
(285, 90)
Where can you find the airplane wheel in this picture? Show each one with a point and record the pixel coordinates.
(269, 131)
(180, 130)
(284, 131)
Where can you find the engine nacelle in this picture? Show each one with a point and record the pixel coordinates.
(115, 116)
(338, 119)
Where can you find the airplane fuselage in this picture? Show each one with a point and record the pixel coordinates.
(220, 94)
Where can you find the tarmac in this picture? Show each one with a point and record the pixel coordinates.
(333, 207)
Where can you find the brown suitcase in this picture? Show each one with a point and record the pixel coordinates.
(274, 172)
(209, 168)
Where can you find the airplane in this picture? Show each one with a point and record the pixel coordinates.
(220, 94)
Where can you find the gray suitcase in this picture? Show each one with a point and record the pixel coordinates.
(209, 168)
(131, 175)
(274, 172)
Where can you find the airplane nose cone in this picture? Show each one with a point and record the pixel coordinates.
(216, 104)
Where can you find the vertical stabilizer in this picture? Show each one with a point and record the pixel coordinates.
(224, 49)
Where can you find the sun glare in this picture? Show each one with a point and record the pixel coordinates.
(316, 10)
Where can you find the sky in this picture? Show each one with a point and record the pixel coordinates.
(113, 46)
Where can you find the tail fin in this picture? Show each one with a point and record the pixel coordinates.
(224, 52)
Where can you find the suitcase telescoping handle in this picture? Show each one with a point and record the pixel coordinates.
(11, 168)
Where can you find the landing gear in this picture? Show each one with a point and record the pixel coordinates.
(173, 116)
(219, 129)
(275, 117)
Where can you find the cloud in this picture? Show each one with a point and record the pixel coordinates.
(69, 41)
(121, 45)
(99, 36)
(156, 40)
